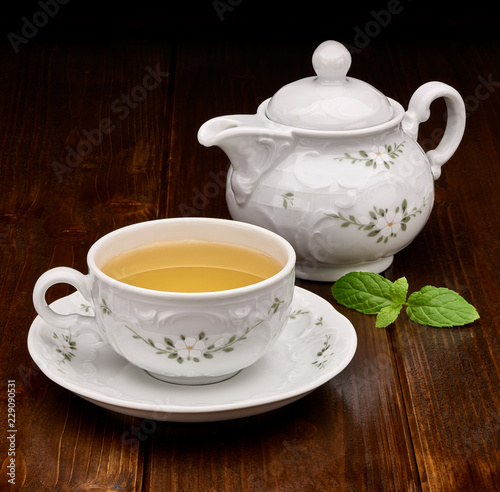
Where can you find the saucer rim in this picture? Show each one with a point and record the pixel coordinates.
(175, 409)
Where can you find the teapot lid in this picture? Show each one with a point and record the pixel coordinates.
(331, 100)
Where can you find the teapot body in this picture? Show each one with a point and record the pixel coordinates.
(346, 201)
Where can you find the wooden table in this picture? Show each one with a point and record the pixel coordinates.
(418, 408)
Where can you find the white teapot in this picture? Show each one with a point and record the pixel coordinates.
(333, 166)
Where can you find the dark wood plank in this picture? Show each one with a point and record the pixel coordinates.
(450, 377)
(94, 104)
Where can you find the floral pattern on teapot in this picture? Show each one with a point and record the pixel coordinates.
(381, 223)
(378, 155)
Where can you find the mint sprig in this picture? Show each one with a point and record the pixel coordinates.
(370, 293)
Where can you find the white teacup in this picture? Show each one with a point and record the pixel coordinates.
(185, 338)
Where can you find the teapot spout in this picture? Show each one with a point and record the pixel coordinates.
(253, 144)
(220, 129)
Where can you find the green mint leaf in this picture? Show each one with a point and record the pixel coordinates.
(388, 315)
(440, 307)
(365, 292)
(399, 290)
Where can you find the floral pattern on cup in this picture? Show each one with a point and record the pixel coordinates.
(104, 307)
(378, 155)
(288, 199)
(64, 346)
(194, 349)
(382, 223)
(188, 348)
(275, 306)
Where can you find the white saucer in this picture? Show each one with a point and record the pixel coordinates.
(317, 343)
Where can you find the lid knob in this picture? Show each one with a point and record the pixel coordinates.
(331, 61)
(330, 100)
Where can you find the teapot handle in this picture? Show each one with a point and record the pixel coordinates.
(419, 111)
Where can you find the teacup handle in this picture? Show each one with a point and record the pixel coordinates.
(64, 275)
(419, 111)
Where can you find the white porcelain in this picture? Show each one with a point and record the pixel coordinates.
(187, 338)
(330, 100)
(346, 199)
(316, 345)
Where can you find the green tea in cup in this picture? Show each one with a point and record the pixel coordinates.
(191, 266)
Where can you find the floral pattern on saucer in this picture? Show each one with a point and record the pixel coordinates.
(325, 354)
(64, 346)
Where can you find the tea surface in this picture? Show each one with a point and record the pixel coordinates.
(191, 266)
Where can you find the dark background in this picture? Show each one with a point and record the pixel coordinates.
(255, 20)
